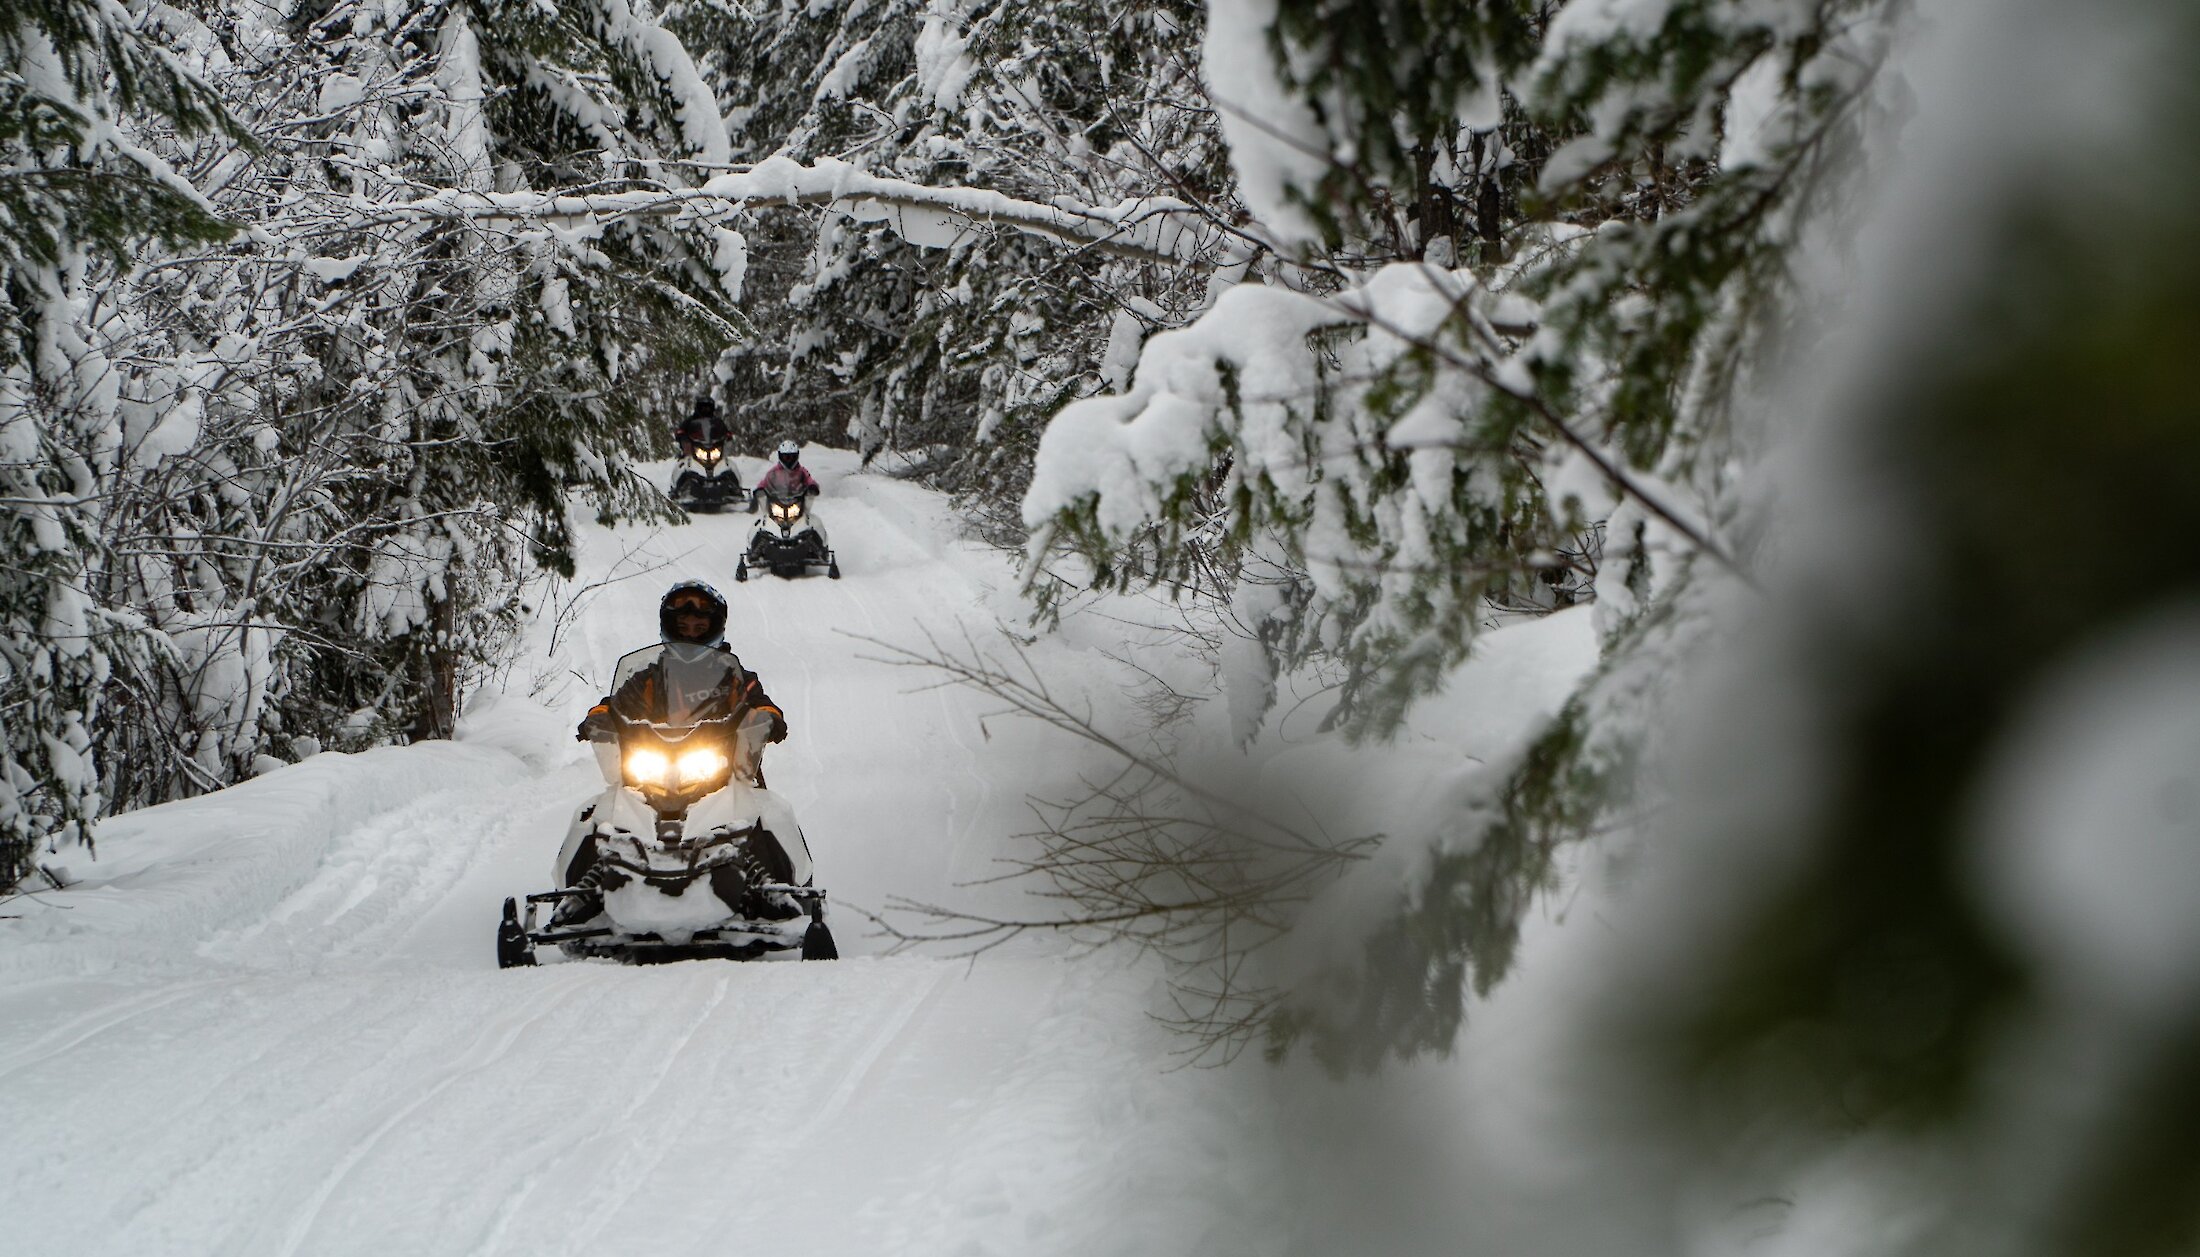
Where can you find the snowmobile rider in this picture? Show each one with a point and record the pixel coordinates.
(690, 618)
(788, 478)
(703, 429)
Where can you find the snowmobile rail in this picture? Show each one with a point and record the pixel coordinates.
(756, 929)
(568, 936)
(551, 895)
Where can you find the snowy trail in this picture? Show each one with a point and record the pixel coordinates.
(268, 1021)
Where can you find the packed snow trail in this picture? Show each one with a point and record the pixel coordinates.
(268, 1022)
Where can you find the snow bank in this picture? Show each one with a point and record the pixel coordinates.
(1430, 791)
(169, 878)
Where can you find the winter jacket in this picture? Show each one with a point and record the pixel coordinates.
(698, 430)
(641, 698)
(787, 481)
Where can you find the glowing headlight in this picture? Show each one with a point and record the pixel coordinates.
(787, 511)
(647, 767)
(709, 455)
(700, 765)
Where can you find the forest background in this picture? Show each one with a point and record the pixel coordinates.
(1834, 351)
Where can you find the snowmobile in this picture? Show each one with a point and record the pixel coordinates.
(706, 482)
(788, 540)
(686, 855)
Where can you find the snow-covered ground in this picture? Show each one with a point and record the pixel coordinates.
(268, 1021)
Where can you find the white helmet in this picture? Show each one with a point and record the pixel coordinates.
(790, 453)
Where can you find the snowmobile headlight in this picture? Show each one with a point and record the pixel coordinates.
(647, 767)
(701, 765)
(709, 455)
(786, 512)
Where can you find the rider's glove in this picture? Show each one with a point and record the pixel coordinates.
(779, 729)
(595, 724)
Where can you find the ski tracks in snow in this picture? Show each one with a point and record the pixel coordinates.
(82, 1029)
(488, 1048)
(382, 879)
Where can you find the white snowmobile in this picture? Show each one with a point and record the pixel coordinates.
(787, 541)
(685, 855)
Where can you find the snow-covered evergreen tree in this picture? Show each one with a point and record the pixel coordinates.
(77, 192)
(288, 483)
(1397, 427)
(1917, 932)
(952, 345)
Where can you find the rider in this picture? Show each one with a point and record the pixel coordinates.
(701, 427)
(691, 619)
(787, 478)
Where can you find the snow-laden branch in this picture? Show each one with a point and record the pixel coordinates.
(1162, 230)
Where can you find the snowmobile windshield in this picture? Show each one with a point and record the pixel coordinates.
(676, 683)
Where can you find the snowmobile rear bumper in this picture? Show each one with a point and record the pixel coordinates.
(739, 938)
(788, 556)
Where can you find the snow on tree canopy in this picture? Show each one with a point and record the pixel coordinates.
(1276, 145)
(701, 120)
(943, 68)
(1113, 450)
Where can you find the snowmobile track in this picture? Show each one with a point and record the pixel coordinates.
(859, 1073)
(668, 1065)
(472, 1061)
(75, 1034)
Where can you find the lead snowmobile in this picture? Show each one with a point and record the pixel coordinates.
(686, 854)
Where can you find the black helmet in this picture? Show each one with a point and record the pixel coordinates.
(691, 596)
(705, 408)
(790, 453)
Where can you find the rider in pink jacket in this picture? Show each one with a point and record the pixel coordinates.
(787, 478)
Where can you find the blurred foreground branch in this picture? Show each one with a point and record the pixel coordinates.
(1195, 867)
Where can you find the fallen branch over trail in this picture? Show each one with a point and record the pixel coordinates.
(1152, 229)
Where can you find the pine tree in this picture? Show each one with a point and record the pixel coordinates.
(75, 194)
(1958, 960)
(953, 352)
(1402, 427)
(290, 483)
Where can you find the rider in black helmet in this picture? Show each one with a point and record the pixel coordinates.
(692, 611)
(701, 427)
(691, 615)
